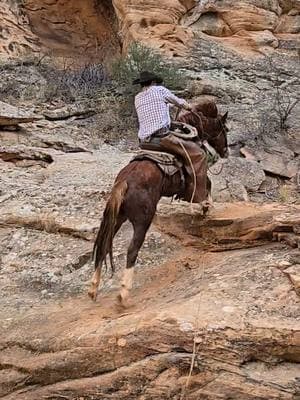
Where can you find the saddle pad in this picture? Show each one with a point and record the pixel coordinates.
(168, 163)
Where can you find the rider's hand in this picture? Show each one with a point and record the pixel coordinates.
(188, 107)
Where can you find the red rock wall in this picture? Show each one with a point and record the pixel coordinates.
(96, 28)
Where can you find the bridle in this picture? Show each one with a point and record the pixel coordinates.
(205, 135)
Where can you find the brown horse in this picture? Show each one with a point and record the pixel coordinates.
(134, 197)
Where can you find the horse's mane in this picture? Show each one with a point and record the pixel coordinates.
(189, 118)
(207, 109)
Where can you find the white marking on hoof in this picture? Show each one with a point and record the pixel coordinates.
(92, 293)
(93, 290)
(122, 298)
(126, 285)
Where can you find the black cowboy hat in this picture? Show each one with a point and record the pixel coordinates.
(146, 76)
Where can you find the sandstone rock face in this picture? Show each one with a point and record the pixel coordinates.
(173, 30)
(16, 36)
(64, 28)
(156, 22)
(218, 296)
(215, 300)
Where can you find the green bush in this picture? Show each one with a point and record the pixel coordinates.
(141, 58)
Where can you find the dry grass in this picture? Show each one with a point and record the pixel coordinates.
(287, 194)
(196, 343)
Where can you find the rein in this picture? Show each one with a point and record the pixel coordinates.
(205, 136)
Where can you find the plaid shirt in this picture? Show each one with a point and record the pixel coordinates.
(152, 107)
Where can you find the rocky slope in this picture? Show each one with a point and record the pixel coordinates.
(215, 303)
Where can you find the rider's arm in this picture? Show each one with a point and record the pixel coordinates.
(171, 98)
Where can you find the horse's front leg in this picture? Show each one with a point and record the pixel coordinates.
(134, 247)
(208, 203)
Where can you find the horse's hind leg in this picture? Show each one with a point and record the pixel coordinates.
(95, 282)
(139, 234)
(92, 292)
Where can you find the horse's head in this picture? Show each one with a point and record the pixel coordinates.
(214, 130)
(216, 135)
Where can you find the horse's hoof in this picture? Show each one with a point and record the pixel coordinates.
(92, 294)
(122, 302)
(205, 210)
(206, 206)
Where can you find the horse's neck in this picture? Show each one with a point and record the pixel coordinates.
(210, 127)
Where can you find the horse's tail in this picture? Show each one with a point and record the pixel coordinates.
(104, 240)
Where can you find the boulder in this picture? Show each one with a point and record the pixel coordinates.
(273, 162)
(289, 24)
(24, 156)
(12, 116)
(234, 177)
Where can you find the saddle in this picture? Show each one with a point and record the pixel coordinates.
(168, 163)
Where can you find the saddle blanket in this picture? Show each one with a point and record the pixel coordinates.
(168, 163)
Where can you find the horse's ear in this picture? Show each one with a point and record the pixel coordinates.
(224, 117)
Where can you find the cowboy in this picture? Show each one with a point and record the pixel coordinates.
(152, 106)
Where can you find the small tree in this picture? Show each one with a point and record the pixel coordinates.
(283, 107)
(141, 58)
(283, 102)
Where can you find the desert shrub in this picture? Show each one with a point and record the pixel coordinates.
(36, 78)
(283, 106)
(113, 117)
(141, 58)
(70, 83)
